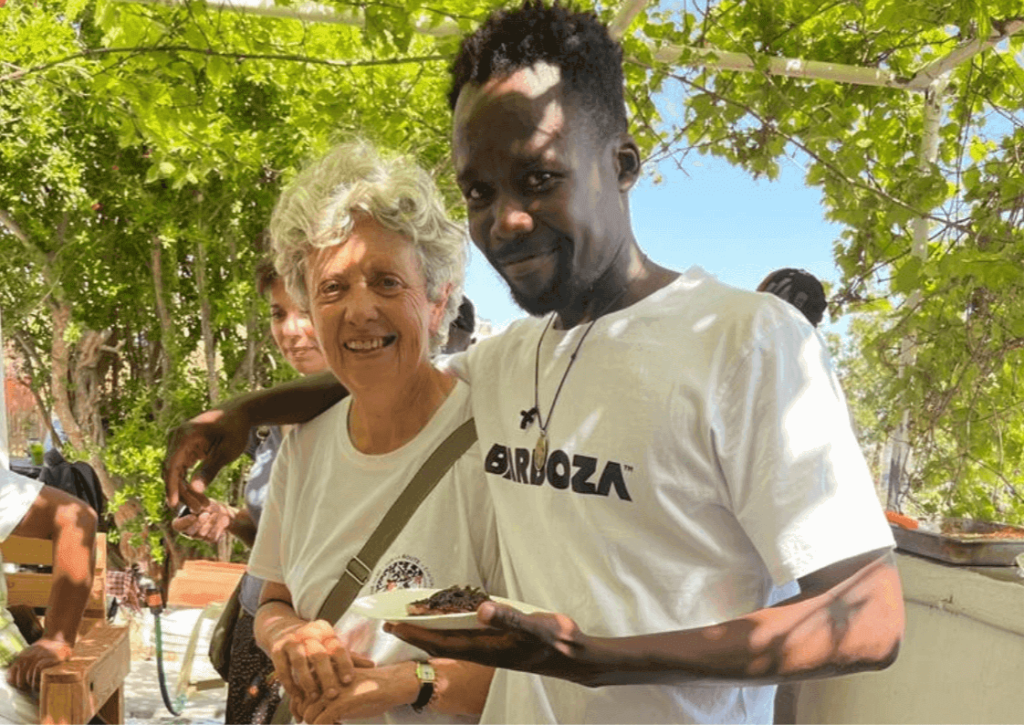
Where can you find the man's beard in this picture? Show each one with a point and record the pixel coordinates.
(560, 293)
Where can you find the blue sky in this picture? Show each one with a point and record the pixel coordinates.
(713, 215)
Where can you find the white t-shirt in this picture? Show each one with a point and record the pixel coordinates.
(700, 450)
(326, 499)
(17, 493)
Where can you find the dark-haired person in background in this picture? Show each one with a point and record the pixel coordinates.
(252, 692)
(661, 448)
(799, 288)
(460, 332)
(804, 291)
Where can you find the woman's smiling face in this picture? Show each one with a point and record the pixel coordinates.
(369, 305)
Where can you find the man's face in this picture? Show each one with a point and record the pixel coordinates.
(545, 196)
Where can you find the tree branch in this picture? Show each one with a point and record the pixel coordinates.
(95, 52)
(825, 164)
(13, 227)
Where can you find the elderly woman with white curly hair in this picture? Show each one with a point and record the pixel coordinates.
(364, 244)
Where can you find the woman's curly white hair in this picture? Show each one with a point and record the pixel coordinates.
(319, 208)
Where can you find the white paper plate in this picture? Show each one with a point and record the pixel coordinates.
(390, 606)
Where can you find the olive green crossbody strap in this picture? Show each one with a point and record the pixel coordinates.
(357, 571)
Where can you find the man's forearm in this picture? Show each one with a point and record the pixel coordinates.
(73, 561)
(296, 401)
(854, 627)
(243, 527)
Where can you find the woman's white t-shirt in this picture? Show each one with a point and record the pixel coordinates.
(326, 498)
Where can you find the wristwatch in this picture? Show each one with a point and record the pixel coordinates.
(427, 677)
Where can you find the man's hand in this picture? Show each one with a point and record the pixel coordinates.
(208, 519)
(547, 644)
(212, 439)
(26, 672)
(848, 618)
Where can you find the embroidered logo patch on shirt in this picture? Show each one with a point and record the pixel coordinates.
(403, 572)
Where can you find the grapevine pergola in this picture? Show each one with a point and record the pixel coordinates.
(929, 82)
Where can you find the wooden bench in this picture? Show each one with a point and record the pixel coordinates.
(91, 683)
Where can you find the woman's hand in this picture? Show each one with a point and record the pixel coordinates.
(460, 689)
(208, 520)
(26, 672)
(371, 693)
(309, 659)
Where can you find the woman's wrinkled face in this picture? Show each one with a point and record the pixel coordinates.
(369, 305)
(293, 332)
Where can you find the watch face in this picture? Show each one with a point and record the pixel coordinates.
(425, 672)
(426, 675)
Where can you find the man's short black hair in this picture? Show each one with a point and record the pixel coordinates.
(575, 42)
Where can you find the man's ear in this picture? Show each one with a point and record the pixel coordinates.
(627, 162)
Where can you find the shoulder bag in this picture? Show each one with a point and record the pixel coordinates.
(360, 567)
(224, 632)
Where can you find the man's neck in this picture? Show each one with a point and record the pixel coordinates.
(619, 287)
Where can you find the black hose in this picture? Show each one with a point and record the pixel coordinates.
(160, 668)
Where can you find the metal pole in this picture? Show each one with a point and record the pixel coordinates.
(928, 153)
(304, 13)
(632, 8)
(773, 65)
(710, 57)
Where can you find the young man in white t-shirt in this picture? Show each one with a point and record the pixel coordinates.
(28, 508)
(661, 449)
(683, 445)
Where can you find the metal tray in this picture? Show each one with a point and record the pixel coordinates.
(964, 551)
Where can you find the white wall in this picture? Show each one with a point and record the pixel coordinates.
(962, 659)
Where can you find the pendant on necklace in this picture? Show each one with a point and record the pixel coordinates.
(540, 451)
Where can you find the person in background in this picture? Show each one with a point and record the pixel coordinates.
(804, 291)
(799, 288)
(252, 694)
(460, 332)
(30, 508)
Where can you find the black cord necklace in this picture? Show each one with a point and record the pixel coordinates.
(540, 450)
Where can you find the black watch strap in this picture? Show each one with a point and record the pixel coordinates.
(426, 675)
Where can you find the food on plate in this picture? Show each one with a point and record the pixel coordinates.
(453, 600)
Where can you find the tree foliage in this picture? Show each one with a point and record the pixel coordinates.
(957, 299)
(142, 147)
